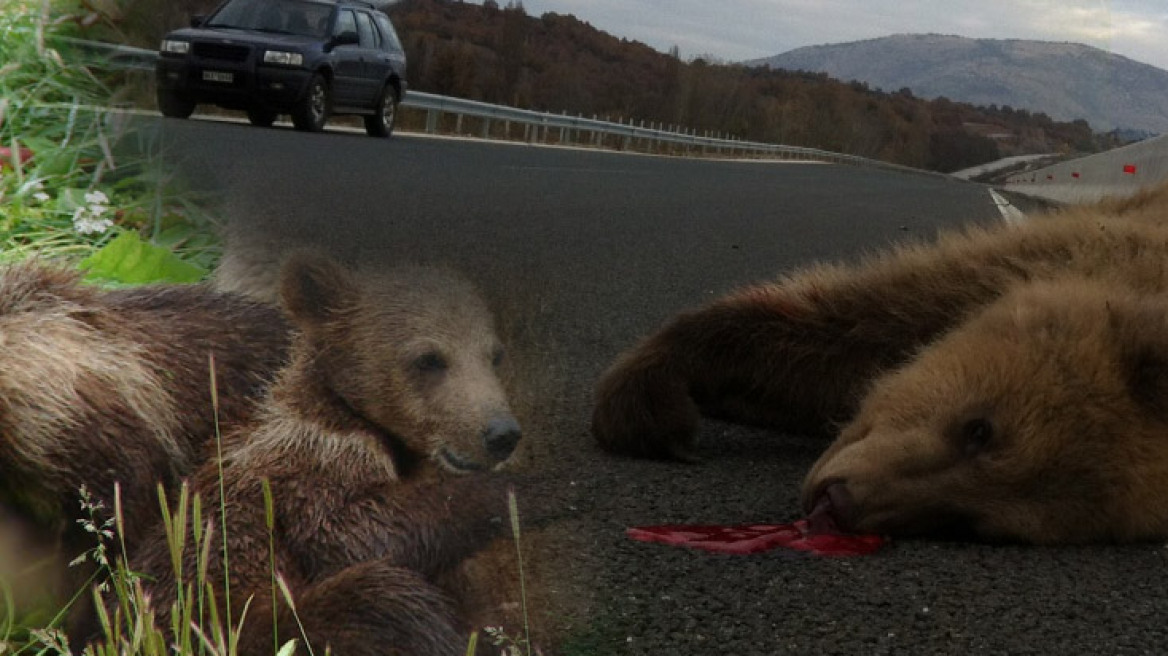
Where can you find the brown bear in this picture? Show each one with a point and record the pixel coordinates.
(1009, 381)
(378, 442)
(114, 386)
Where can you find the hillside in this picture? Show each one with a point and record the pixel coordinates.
(560, 63)
(1065, 80)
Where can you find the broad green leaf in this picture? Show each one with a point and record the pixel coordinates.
(127, 259)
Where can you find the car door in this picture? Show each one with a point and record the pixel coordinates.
(348, 65)
(375, 62)
(391, 49)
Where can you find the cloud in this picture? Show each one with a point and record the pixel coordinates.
(746, 29)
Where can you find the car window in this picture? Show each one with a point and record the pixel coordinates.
(365, 31)
(346, 22)
(237, 13)
(387, 32)
(316, 17)
(308, 18)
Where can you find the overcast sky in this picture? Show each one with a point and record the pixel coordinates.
(734, 30)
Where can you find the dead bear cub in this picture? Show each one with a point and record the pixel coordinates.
(377, 441)
(1012, 382)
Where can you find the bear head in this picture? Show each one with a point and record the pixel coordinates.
(1043, 418)
(412, 351)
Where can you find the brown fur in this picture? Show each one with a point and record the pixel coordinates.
(960, 322)
(103, 387)
(363, 439)
(253, 251)
(1044, 416)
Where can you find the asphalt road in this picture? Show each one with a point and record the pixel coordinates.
(584, 252)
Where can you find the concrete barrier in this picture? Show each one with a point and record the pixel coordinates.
(1116, 173)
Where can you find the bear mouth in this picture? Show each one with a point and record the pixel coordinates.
(457, 463)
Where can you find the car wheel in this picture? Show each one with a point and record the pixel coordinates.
(381, 123)
(263, 118)
(173, 106)
(313, 111)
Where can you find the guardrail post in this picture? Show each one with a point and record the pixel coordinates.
(486, 128)
(458, 124)
(431, 121)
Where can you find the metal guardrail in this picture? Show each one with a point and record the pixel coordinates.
(538, 125)
(541, 126)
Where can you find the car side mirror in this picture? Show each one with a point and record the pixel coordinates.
(197, 20)
(346, 38)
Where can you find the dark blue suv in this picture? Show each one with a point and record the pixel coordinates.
(308, 58)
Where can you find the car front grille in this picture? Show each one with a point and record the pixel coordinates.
(221, 51)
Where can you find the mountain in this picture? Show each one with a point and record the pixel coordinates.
(1066, 81)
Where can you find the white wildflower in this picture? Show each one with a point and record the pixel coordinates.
(37, 187)
(91, 219)
(87, 223)
(96, 197)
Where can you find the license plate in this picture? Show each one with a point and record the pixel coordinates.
(218, 76)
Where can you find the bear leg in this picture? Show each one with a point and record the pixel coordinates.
(372, 608)
(795, 355)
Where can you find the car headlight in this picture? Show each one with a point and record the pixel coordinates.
(283, 57)
(175, 47)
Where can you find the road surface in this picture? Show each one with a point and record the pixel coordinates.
(584, 252)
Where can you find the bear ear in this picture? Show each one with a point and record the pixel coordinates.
(314, 289)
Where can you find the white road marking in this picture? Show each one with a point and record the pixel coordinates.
(1010, 214)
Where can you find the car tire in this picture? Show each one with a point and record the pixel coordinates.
(263, 118)
(381, 122)
(173, 106)
(313, 111)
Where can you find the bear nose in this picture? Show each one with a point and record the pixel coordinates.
(501, 436)
(831, 509)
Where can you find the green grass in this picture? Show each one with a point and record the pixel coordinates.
(199, 627)
(77, 176)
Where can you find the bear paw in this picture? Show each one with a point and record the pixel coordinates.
(645, 411)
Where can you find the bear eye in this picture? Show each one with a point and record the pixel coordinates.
(497, 357)
(976, 435)
(431, 362)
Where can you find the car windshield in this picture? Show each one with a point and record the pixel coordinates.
(301, 17)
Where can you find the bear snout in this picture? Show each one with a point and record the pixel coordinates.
(831, 508)
(501, 436)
